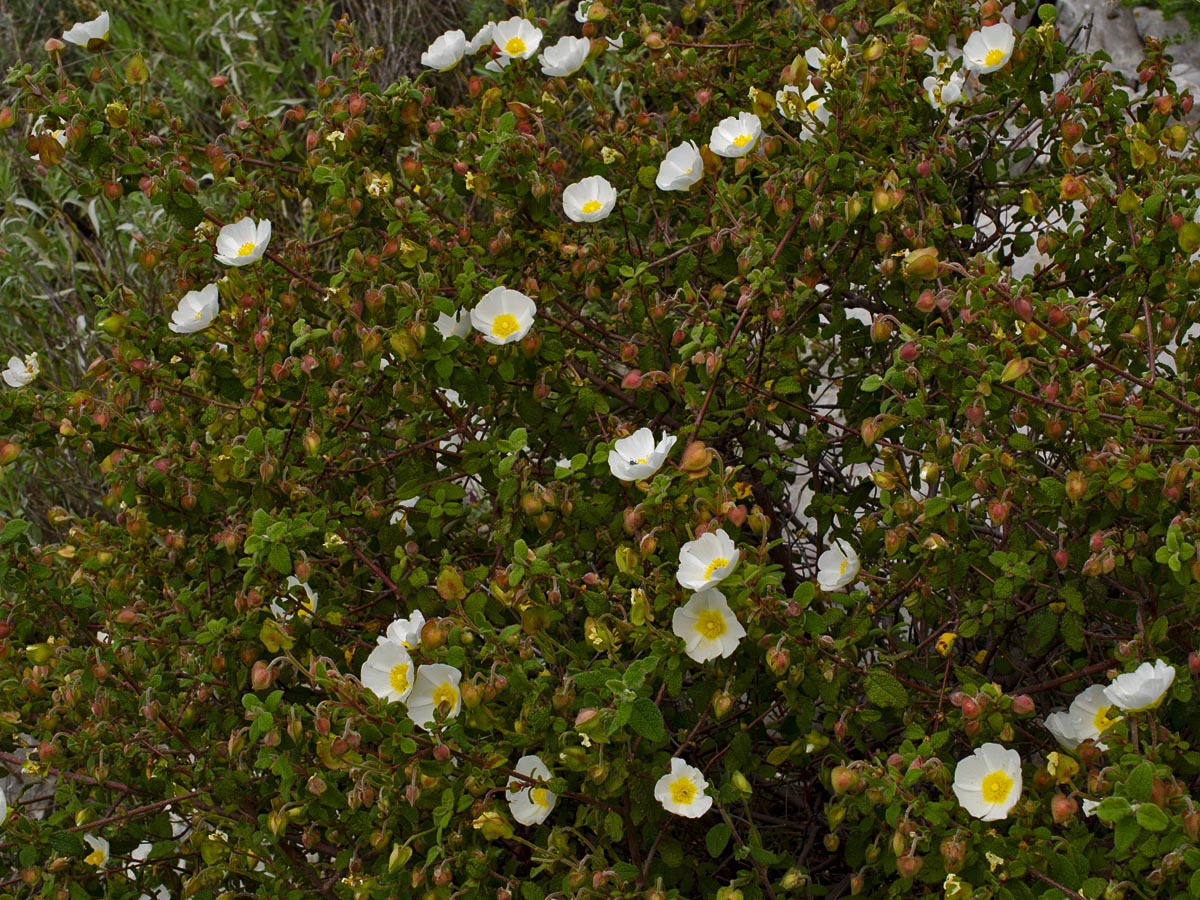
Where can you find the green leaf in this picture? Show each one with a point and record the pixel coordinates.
(280, 559)
(13, 530)
(639, 670)
(884, 690)
(274, 637)
(646, 719)
(1139, 784)
(717, 838)
(1113, 809)
(1125, 834)
(1152, 818)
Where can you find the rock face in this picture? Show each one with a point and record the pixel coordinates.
(1121, 32)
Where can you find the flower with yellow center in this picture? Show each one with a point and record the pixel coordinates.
(637, 457)
(681, 168)
(707, 560)
(707, 626)
(435, 695)
(837, 567)
(406, 632)
(566, 57)
(99, 855)
(988, 782)
(503, 315)
(1090, 715)
(303, 606)
(736, 135)
(446, 52)
(589, 200)
(244, 242)
(1143, 688)
(989, 48)
(21, 372)
(682, 791)
(388, 671)
(516, 38)
(196, 310)
(93, 34)
(530, 805)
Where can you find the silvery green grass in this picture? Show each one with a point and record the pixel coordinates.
(726, 450)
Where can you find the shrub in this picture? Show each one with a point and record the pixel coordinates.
(941, 482)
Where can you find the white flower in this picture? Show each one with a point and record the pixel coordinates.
(581, 11)
(20, 372)
(435, 694)
(243, 242)
(943, 92)
(530, 805)
(636, 457)
(837, 567)
(3, 806)
(989, 48)
(517, 38)
(566, 57)
(304, 607)
(82, 34)
(1089, 806)
(812, 112)
(682, 791)
(39, 129)
(819, 60)
(705, 561)
(196, 310)
(681, 168)
(988, 782)
(1087, 719)
(388, 671)
(400, 516)
(589, 200)
(787, 102)
(707, 626)
(498, 64)
(406, 632)
(942, 61)
(736, 135)
(99, 855)
(503, 315)
(482, 37)
(1141, 689)
(457, 325)
(446, 51)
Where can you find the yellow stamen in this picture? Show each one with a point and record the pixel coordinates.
(842, 567)
(710, 624)
(398, 678)
(717, 563)
(540, 796)
(246, 249)
(683, 791)
(1102, 720)
(504, 325)
(994, 57)
(95, 858)
(590, 207)
(996, 786)
(742, 140)
(445, 693)
(514, 46)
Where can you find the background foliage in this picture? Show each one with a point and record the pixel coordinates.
(1005, 442)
